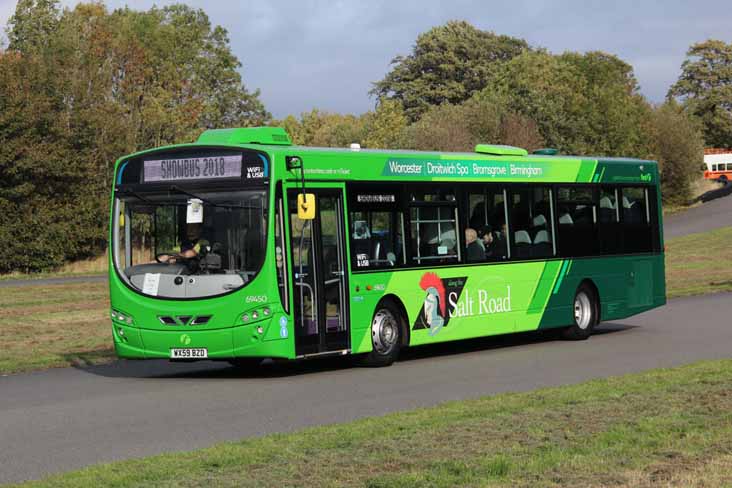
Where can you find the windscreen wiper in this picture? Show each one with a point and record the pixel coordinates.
(127, 191)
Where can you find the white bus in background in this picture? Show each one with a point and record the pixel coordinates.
(718, 164)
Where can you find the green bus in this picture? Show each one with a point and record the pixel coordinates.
(242, 246)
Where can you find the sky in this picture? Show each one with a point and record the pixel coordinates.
(325, 54)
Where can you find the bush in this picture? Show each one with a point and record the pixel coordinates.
(678, 146)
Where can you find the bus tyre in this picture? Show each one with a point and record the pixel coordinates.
(584, 312)
(386, 336)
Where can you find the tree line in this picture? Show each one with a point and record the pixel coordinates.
(80, 87)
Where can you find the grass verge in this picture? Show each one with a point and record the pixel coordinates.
(54, 325)
(85, 267)
(669, 427)
(699, 263)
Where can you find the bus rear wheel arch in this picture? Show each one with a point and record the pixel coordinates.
(585, 312)
(388, 333)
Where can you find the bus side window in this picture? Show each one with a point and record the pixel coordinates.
(487, 216)
(610, 230)
(531, 225)
(433, 229)
(376, 239)
(576, 221)
(636, 220)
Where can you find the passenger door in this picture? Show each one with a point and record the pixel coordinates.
(320, 291)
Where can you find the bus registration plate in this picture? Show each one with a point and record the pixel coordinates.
(189, 353)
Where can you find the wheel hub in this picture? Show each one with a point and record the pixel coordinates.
(384, 332)
(582, 310)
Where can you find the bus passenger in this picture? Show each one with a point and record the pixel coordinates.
(486, 238)
(474, 251)
(495, 243)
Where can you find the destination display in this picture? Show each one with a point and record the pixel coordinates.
(467, 169)
(192, 168)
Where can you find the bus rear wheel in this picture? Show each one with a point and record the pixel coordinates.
(584, 312)
(386, 336)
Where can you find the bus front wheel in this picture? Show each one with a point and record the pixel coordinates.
(584, 312)
(386, 336)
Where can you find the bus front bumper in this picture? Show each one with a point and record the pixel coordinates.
(241, 341)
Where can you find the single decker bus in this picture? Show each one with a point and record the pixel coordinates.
(242, 246)
(718, 164)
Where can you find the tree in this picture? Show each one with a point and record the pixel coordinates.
(678, 146)
(46, 210)
(705, 89)
(520, 131)
(93, 87)
(615, 114)
(318, 128)
(32, 23)
(384, 127)
(538, 86)
(448, 64)
(580, 103)
(479, 120)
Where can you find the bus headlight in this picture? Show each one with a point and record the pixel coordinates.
(255, 315)
(121, 317)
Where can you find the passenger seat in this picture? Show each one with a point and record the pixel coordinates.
(522, 243)
(542, 245)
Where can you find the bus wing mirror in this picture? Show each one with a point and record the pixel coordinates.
(306, 206)
(293, 162)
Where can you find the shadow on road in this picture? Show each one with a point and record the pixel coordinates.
(278, 369)
(724, 191)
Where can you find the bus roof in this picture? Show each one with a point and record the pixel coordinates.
(457, 155)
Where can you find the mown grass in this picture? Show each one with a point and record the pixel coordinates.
(54, 325)
(699, 263)
(669, 427)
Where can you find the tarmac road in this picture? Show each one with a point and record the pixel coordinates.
(707, 216)
(63, 419)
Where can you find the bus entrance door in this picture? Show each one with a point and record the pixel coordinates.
(319, 275)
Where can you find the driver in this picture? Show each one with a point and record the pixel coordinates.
(190, 247)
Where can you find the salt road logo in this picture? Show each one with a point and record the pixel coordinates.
(436, 309)
(445, 300)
